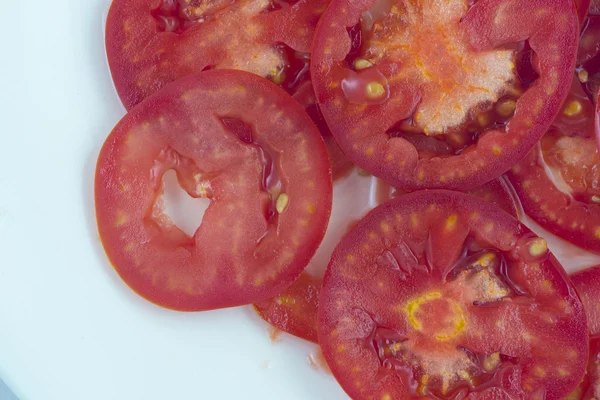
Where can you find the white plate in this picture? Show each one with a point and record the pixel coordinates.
(70, 329)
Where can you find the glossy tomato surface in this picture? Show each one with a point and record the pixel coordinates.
(438, 294)
(246, 145)
(442, 94)
(151, 43)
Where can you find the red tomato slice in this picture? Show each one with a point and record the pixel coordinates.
(589, 389)
(559, 180)
(587, 283)
(295, 309)
(246, 145)
(439, 294)
(427, 94)
(150, 43)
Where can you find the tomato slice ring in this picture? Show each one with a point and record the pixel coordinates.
(363, 103)
(439, 294)
(151, 43)
(245, 144)
(295, 310)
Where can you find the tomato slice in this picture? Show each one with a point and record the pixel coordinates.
(559, 180)
(150, 43)
(427, 94)
(589, 389)
(442, 295)
(587, 283)
(295, 309)
(246, 145)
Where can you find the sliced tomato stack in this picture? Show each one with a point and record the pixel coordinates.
(260, 105)
(442, 295)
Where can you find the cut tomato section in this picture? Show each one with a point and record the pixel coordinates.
(587, 283)
(295, 310)
(427, 94)
(559, 180)
(151, 43)
(589, 389)
(442, 295)
(246, 145)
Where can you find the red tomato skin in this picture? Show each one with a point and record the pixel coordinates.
(397, 161)
(343, 290)
(146, 262)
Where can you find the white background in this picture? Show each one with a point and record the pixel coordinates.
(69, 328)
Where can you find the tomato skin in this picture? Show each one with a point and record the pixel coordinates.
(144, 56)
(365, 333)
(248, 259)
(361, 130)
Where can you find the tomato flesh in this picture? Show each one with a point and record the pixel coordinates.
(439, 294)
(425, 94)
(151, 43)
(246, 145)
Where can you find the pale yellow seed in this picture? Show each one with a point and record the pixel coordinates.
(361, 63)
(491, 362)
(573, 108)
(538, 247)
(583, 76)
(375, 90)
(596, 199)
(282, 202)
(506, 108)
